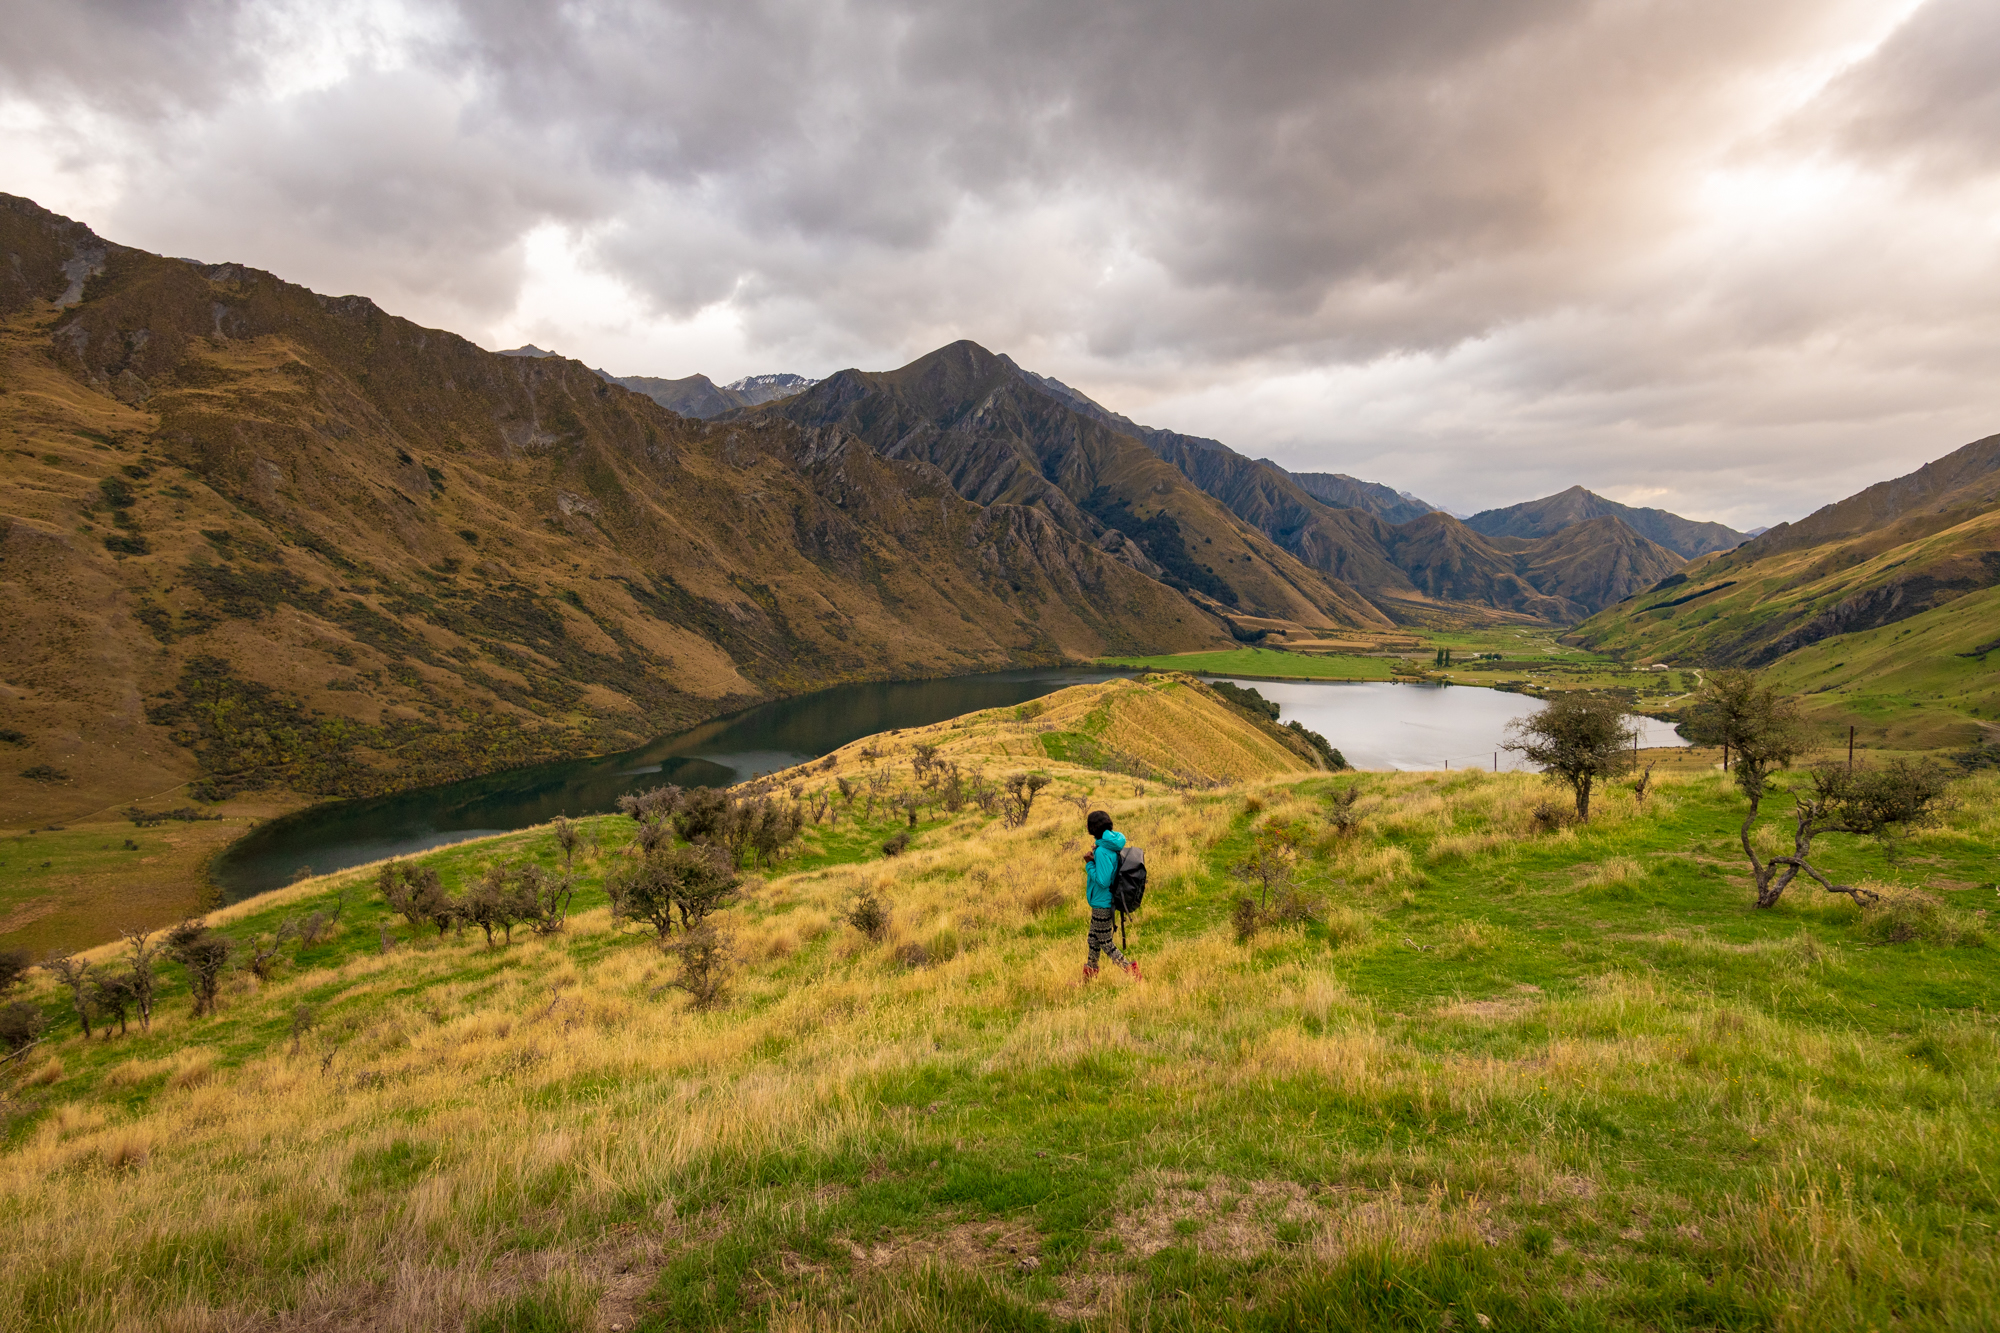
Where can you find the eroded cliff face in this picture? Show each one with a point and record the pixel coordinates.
(304, 542)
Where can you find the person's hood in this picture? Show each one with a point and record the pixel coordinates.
(1113, 839)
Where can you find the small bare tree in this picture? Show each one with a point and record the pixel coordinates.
(1340, 812)
(568, 834)
(111, 994)
(1577, 740)
(144, 956)
(74, 974)
(496, 903)
(545, 898)
(1017, 800)
(1270, 864)
(951, 789)
(1642, 787)
(265, 954)
(1765, 731)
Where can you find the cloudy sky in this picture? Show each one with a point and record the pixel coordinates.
(1735, 260)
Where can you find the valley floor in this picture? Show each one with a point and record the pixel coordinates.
(1485, 1077)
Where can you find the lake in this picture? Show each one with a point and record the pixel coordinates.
(1376, 725)
(715, 754)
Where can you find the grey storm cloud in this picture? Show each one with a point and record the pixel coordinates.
(1501, 215)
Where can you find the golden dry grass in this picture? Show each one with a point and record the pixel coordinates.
(463, 1127)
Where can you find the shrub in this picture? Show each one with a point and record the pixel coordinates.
(1549, 817)
(204, 954)
(415, 893)
(656, 803)
(706, 958)
(1902, 915)
(1247, 918)
(689, 880)
(897, 845)
(1340, 812)
(21, 1025)
(14, 964)
(867, 914)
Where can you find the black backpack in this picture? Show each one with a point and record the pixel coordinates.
(1128, 885)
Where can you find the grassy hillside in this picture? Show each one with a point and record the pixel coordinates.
(1488, 1076)
(1882, 634)
(1924, 683)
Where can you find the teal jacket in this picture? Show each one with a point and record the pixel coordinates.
(1103, 868)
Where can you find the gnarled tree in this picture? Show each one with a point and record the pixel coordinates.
(204, 954)
(1882, 803)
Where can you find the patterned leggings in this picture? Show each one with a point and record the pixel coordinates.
(1102, 935)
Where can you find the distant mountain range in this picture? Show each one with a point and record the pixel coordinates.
(999, 432)
(697, 395)
(1546, 517)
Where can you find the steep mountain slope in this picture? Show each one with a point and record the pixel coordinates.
(1003, 436)
(1920, 546)
(252, 534)
(1936, 496)
(1345, 492)
(1596, 563)
(1548, 516)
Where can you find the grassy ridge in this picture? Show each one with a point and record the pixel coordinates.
(1563, 1080)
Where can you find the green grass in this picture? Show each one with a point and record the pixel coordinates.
(1571, 1081)
(1264, 662)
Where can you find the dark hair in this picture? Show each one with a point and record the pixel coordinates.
(1098, 823)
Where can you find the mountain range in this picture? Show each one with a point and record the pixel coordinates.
(1548, 516)
(999, 432)
(253, 534)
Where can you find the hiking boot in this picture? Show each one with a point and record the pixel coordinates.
(1090, 971)
(1132, 969)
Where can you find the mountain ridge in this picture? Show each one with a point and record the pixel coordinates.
(1549, 515)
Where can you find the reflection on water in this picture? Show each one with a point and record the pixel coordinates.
(759, 740)
(1375, 724)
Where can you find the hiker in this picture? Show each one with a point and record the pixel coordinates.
(1100, 867)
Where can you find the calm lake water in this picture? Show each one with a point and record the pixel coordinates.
(1375, 724)
(729, 749)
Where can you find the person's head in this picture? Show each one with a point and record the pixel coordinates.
(1098, 823)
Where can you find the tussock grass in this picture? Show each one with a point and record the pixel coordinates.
(1561, 1079)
